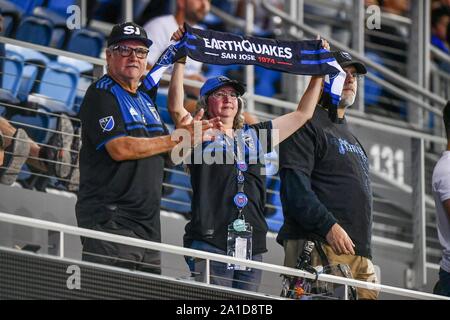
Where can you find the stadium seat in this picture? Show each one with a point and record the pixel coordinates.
(27, 6)
(11, 17)
(35, 30)
(37, 120)
(87, 42)
(13, 65)
(161, 103)
(57, 89)
(177, 199)
(266, 81)
(273, 213)
(60, 32)
(35, 63)
(60, 6)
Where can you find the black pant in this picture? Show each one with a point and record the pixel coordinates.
(120, 255)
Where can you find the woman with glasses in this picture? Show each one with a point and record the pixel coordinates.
(227, 175)
(121, 159)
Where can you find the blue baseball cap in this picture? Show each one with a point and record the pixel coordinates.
(212, 84)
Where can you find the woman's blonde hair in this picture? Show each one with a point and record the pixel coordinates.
(238, 122)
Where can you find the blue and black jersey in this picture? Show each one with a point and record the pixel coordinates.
(127, 191)
(215, 185)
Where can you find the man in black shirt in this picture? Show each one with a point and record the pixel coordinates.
(325, 187)
(121, 159)
(227, 177)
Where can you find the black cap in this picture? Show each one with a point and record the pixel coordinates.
(128, 31)
(345, 59)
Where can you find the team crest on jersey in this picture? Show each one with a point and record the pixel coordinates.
(107, 123)
(133, 112)
(154, 112)
(248, 140)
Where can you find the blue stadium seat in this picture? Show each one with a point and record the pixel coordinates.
(372, 90)
(80, 65)
(57, 89)
(31, 71)
(35, 30)
(13, 65)
(87, 42)
(60, 6)
(28, 5)
(274, 213)
(177, 199)
(266, 81)
(37, 120)
(219, 70)
(11, 17)
(60, 32)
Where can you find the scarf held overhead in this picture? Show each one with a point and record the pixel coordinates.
(296, 57)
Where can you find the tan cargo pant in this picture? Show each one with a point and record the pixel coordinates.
(361, 267)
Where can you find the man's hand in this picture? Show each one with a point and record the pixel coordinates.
(208, 131)
(339, 240)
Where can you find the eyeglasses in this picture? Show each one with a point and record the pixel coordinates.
(354, 75)
(222, 94)
(125, 51)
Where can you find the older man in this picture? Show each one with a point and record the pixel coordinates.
(122, 155)
(325, 187)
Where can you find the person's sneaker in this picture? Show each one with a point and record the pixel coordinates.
(15, 156)
(60, 143)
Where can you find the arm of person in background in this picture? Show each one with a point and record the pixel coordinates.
(291, 122)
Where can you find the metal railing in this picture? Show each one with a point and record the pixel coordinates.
(418, 136)
(385, 72)
(70, 230)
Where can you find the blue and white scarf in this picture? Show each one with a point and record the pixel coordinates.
(297, 57)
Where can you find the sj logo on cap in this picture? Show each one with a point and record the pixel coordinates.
(107, 123)
(132, 30)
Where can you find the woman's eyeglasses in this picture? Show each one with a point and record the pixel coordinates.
(222, 94)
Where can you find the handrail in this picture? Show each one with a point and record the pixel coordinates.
(383, 70)
(228, 18)
(54, 51)
(392, 18)
(440, 54)
(359, 121)
(66, 229)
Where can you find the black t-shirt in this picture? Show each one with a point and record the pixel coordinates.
(127, 191)
(215, 185)
(338, 169)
